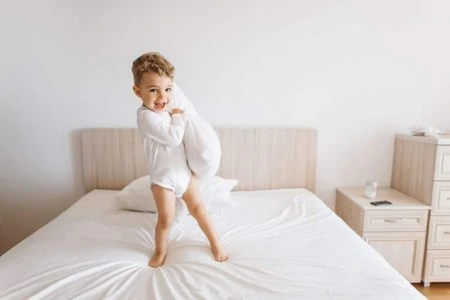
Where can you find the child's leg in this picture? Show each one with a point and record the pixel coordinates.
(165, 204)
(197, 209)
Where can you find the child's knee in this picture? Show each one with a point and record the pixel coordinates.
(165, 220)
(197, 211)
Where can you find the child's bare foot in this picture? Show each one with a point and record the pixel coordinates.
(219, 254)
(157, 260)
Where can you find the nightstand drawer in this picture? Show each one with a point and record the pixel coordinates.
(442, 170)
(396, 220)
(437, 265)
(441, 198)
(439, 233)
(403, 250)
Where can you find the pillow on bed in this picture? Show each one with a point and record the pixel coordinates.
(202, 146)
(137, 196)
(215, 192)
(216, 189)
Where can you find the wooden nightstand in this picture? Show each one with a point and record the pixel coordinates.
(397, 231)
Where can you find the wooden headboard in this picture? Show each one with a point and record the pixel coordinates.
(260, 158)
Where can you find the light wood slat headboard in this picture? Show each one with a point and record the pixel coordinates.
(260, 158)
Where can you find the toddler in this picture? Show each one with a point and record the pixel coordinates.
(162, 132)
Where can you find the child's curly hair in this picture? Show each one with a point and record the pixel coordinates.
(152, 62)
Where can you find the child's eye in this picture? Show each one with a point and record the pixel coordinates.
(153, 90)
(168, 89)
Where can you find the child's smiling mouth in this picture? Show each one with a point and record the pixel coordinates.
(160, 106)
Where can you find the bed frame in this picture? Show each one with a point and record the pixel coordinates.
(260, 158)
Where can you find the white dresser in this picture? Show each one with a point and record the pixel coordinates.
(421, 169)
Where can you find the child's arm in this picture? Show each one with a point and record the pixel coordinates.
(168, 133)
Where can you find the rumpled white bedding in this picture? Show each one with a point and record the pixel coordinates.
(283, 244)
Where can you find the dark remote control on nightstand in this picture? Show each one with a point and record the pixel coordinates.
(382, 202)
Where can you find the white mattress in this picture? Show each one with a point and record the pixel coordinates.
(283, 244)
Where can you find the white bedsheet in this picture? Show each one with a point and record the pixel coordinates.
(283, 244)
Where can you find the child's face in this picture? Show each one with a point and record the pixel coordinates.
(155, 91)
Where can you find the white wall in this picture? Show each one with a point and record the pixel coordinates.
(358, 71)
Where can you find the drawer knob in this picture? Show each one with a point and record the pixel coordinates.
(446, 232)
(445, 266)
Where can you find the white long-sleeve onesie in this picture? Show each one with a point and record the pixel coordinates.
(164, 150)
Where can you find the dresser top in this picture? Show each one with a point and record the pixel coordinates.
(443, 139)
(398, 199)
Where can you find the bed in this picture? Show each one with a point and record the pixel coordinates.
(283, 241)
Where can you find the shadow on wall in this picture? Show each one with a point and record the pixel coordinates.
(40, 202)
(76, 155)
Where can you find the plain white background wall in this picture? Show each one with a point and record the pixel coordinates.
(358, 71)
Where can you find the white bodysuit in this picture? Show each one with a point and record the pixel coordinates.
(164, 149)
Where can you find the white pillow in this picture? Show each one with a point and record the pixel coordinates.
(137, 196)
(202, 145)
(180, 100)
(215, 188)
(215, 192)
(201, 142)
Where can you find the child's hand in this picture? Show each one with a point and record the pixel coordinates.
(176, 111)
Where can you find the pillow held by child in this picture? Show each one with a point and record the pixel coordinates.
(202, 145)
